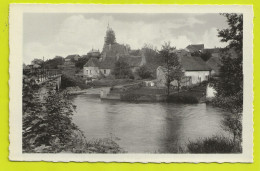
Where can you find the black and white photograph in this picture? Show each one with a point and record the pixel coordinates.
(164, 83)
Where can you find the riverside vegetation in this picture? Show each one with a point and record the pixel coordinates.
(229, 88)
(47, 123)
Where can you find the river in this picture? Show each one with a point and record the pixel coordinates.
(147, 127)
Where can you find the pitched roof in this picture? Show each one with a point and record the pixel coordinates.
(92, 62)
(193, 63)
(108, 63)
(195, 47)
(132, 61)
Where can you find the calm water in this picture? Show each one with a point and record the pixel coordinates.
(146, 127)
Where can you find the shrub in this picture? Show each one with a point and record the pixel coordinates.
(144, 72)
(122, 70)
(70, 81)
(215, 144)
(175, 98)
(47, 120)
(48, 127)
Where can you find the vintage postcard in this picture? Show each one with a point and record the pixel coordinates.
(131, 83)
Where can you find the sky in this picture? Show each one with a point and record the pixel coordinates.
(60, 34)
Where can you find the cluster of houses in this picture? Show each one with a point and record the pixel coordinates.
(101, 64)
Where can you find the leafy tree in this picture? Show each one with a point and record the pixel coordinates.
(122, 70)
(144, 72)
(110, 37)
(82, 61)
(37, 61)
(234, 33)
(229, 86)
(53, 63)
(206, 55)
(47, 119)
(172, 65)
(231, 71)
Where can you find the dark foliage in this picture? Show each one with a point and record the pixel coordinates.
(47, 121)
(82, 61)
(213, 145)
(144, 72)
(53, 63)
(206, 55)
(122, 70)
(71, 81)
(172, 65)
(233, 34)
(196, 53)
(48, 127)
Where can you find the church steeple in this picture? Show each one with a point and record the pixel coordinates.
(110, 37)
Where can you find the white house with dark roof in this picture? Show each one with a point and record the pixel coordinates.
(195, 48)
(194, 68)
(91, 68)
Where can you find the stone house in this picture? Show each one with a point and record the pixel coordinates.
(194, 68)
(91, 68)
(195, 48)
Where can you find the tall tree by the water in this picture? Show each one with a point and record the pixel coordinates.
(231, 71)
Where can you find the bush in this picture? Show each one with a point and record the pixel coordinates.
(70, 81)
(144, 72)
(175, 98)
(214, 145)
(48, 127)
(122, 70)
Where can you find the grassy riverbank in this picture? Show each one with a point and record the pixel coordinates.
(141, 93)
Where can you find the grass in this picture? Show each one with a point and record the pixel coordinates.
(216, 144)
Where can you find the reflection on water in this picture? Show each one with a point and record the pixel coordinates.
(146, 127)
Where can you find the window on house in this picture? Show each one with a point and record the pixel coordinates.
(105, 71)
(89, 71)
(86, 71)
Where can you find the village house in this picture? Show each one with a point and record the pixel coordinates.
(103, 64)
(195, 48)
(194, 68)
(91, 68)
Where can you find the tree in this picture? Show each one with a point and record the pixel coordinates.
(206, 55)
(47, 119)
(122, 70)
(229, 86)
(82, 61)
(53, 63)
(233, 34)
(172, 65)
(110, 37)
(37, 61)
(231, 71)
(144, 72)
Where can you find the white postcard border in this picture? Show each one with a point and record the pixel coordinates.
(15, 82)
